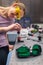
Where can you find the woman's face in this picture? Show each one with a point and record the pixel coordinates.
(12, 13)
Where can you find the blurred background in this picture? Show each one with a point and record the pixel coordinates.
(34, 9)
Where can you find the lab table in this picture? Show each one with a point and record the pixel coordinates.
(38, 60)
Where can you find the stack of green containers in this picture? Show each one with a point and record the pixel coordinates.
(23, 52)
(36, 50)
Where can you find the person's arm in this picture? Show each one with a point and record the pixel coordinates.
(15, 26)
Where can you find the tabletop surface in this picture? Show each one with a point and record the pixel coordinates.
(27, 61)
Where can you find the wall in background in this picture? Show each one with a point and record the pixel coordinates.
(0, 2)
(34, 9)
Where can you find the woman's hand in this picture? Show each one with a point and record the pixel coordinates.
(17, 27)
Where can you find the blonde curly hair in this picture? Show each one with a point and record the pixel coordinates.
(4, 10)
(21, 5)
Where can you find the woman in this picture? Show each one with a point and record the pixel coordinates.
(23, 21)
(6, 24)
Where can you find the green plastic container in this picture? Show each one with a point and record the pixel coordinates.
(36, 50)
(23, 52)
